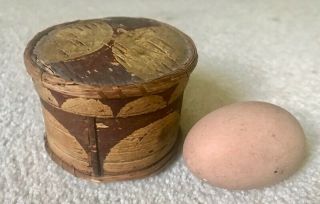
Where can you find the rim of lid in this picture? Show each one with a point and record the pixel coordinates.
(79, 89)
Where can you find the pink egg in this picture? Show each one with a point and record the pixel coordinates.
(245, 145)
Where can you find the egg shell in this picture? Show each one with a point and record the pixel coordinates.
(245, 145)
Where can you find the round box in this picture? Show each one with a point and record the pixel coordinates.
(111, 92)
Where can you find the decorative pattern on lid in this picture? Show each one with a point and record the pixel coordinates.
(113, 51)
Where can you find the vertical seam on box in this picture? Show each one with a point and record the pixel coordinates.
(93, 146)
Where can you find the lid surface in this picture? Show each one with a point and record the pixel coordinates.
(113, 51)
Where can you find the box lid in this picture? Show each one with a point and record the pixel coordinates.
(111, 52)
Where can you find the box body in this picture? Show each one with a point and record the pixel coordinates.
(111, 91)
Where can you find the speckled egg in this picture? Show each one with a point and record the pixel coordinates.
(245, 145)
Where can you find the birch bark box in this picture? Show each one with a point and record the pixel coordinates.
(111, 91)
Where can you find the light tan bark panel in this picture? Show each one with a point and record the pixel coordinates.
(73, 40)
(151, 52)
(89, 107)
(45, 94)
(179, 90)
(61, 137)
(77, 164)
(144, 146)
(142, 105)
